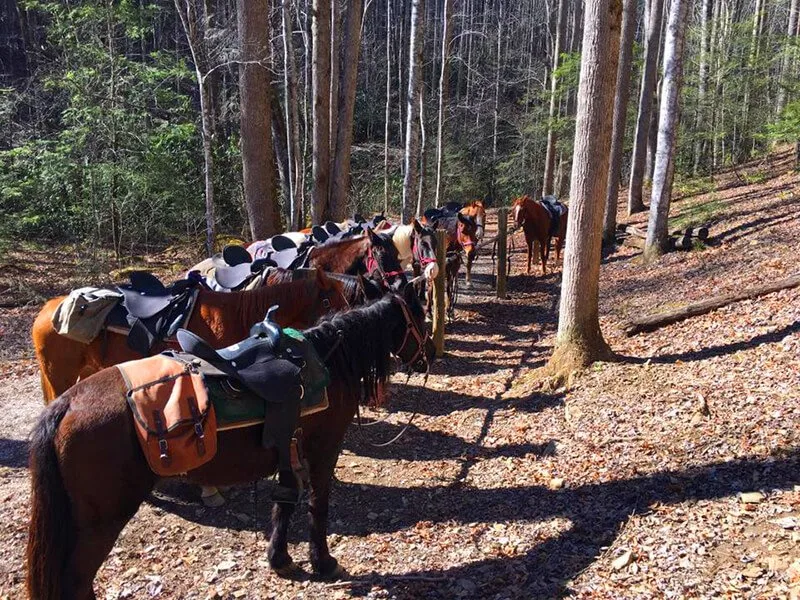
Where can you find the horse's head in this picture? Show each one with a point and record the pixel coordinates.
(467, 234)
(414, 347)
(518, 210)
(423, 248)
(383, 261)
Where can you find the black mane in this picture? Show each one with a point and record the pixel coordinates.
(361, 355)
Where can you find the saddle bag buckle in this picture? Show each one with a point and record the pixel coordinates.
(163, 447)
(198, 426)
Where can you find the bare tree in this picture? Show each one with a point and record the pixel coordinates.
(255, 118)
(412, 111)
(702, 86)
(579, 341)
(347, 98)
(646, 91)
(620, 118)
(788, 62)
(292, 117)
(550, 158)
(447, 33)
(668, 121)
(388, 108)
(320, 91)
(190, 13)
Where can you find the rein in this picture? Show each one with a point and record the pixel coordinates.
(373, 265)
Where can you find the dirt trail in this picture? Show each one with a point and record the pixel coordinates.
(627, 484)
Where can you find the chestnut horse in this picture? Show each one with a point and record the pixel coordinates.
(462, 234)
(220, 318)
(371, 255)
(87, 436)
(535, 221)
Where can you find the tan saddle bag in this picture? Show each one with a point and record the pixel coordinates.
(174, 418)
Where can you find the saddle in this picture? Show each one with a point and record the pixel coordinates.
(152, 310)
(449, 210)
(178, 399)
(555, 209)
(241, 272)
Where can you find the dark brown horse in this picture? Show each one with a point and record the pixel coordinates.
(462, 234)
(371, 255)
(87, 436)
(220, 318)
(536, 221)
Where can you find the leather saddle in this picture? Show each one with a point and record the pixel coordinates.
(264, 366)
(281, 252)
(555, 209)
(154, 311)
(448, 211)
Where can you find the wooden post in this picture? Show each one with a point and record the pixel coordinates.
(502, 250)
(438, 294)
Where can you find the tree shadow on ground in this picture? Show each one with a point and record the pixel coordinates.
(771, 337)
(13, 453)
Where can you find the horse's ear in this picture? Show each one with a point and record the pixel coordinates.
(372, 291)
(322, 280)
(463, 219)
(417, 226)
(410, 294)
(374, 237)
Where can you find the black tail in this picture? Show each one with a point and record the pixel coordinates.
(50, 533)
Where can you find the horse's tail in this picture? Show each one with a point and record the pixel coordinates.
(51, 532)
(60, 359)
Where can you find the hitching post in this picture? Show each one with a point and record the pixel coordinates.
(502, 250)
(438, 294)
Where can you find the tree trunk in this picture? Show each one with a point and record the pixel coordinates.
(702, 87)
(412, 111)
(496, 119)
(255, 118)
(443, 97)
(280, 150)
(579, 341)
(340, 184)
(620, 118)
(292, 119)
(336, 57)
(423, 155)
(788, 62)
(193, 28)
(388, 106)
(550, 157)
(635, 203)
(320, 91)
(668, 121)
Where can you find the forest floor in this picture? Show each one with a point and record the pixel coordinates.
(672, 472)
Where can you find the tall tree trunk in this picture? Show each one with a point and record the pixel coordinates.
(292, 118)
(579, 341)
(255, 118)
(700, 143)
(496, 116)
(412, 111)
(550, 157)
(388, 109)
(646, 92)
(336, 64)
(443, 97)
(668, 121)
(340, 184)
(789, 53)
(280, 150)
(193, 25)
(320, 91)
(620, 119)
(423, 155)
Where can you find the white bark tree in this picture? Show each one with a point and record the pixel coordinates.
(668, 121)
(320, 92)
(411, 161)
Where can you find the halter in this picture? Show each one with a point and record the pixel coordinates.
(423, 261)
(373, 265)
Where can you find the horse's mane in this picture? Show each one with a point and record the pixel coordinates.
(360, 345)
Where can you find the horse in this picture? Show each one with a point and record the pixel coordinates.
(477, 210)
(356, 289)
(537, 223)
(87, 436)
(220, 318)
(371, 254)
(416, 248)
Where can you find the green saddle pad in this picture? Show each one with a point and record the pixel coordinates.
(235, 404)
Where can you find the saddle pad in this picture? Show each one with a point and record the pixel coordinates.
(174, 420)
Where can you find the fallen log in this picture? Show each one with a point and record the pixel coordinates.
(658, 320)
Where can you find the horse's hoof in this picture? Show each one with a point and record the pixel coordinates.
(289, 571)
(329, 569)
(214, 500)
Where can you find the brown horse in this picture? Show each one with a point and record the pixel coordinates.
(462, 234)
(535, 221)
(371, 255)
(87, 436)
(220, 318)
(477, 211)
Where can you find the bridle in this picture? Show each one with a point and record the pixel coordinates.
(424, 261)
(373, 265)
(413, 333)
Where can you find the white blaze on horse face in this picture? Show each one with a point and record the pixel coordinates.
(481, 220)
(517, 211)
(431, 271)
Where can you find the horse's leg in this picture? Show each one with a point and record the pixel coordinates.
(321, 471)
(468, 276)
(278, 552)
(92, 545)
(211, 496)
(543, 244)
(530, 253)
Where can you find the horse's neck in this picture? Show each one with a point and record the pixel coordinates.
(402, 241)
(340, 257)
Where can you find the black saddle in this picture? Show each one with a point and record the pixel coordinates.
(448, 211)
(152, 310)
(555, 209)
(281, 242)
(236, 255)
